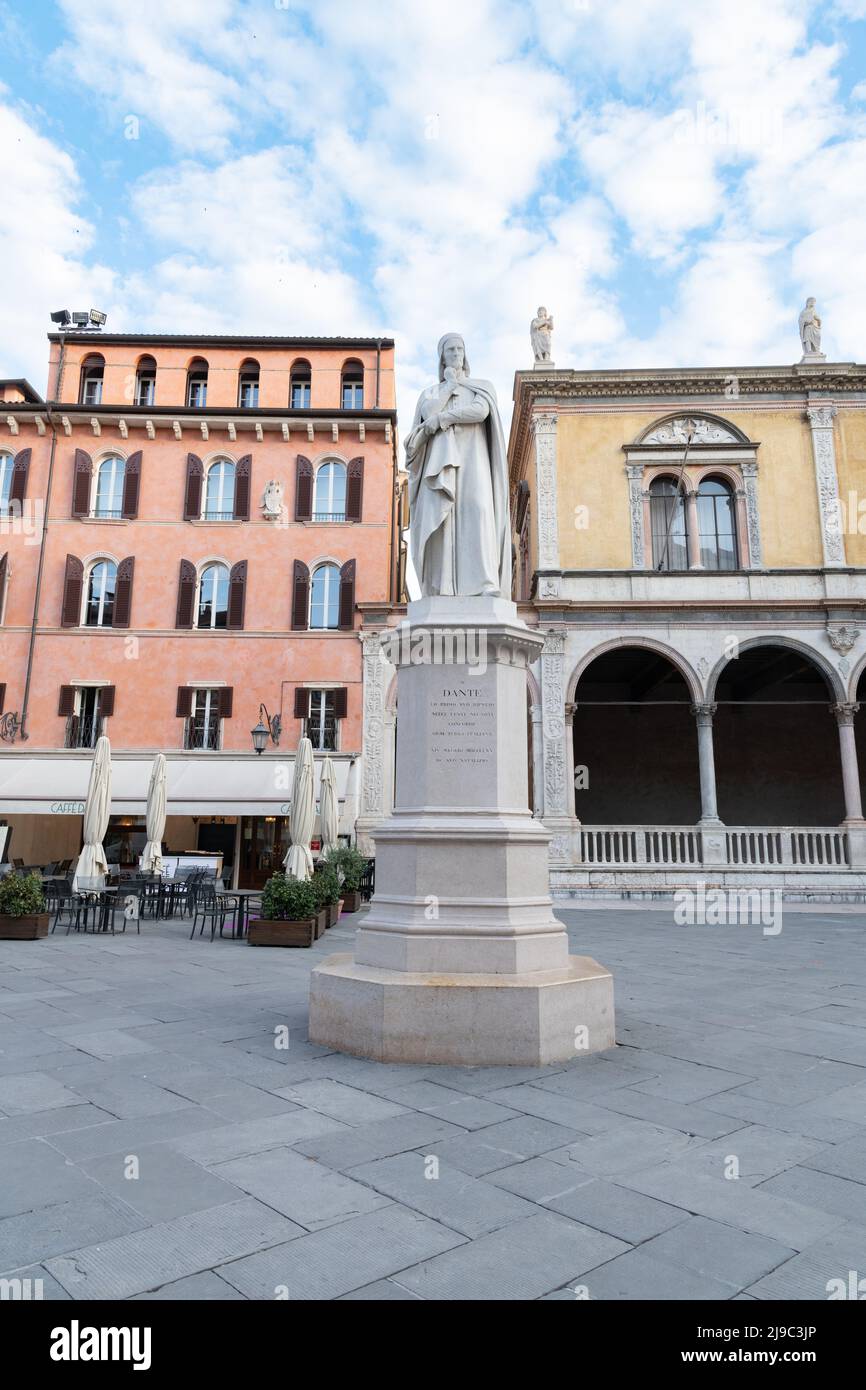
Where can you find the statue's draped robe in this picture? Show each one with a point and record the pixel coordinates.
(458, 492)
(810, 331)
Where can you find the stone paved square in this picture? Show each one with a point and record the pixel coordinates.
(339, 1177)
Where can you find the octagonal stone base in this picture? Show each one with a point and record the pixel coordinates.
(524, 1020)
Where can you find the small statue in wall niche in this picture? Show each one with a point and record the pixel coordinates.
(810, 329)
(540, 333)
(272, 500)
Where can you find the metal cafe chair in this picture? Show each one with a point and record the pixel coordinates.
(213, 907)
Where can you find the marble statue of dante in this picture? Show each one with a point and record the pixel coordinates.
(540, 331)
(810, 328)
(458, 483)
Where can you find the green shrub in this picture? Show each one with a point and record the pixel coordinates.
(349, 864)
(21, 895)
(327, 885)
(288, 899)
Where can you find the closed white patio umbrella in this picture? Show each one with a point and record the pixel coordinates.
(299, 862)
(92, 864)
(151, 859)
(329, 809)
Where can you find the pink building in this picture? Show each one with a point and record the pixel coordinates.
(191, 528)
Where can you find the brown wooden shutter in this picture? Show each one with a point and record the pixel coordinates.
(106, 701)
(66, 704)
(242, 488)
(131, 486)
(192, 501)
(73, 584)
(237, 594)
(303, 490)
(226, 696)
(20, 469)
(341, 700)
(302, 702)
(123, 592)
(347, 595)
(300, 596)
(4, 567)
(185, 594)
(81, 480)
(355, 489)
(2, 696)
(184, 702)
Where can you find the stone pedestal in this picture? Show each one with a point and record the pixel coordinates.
(460, 959)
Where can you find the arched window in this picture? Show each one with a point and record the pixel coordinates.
(99, 594)
(92, 370)
(717, 525)
(219, 498)
(325, 597)
(353, 386)
(213, 597)
(145, 381)
(7, 463)
(299, 386)
(329, 503)
(669, 525)
(108, 497)
(196, 383)
(248, 385)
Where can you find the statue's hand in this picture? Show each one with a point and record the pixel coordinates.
(431, 424)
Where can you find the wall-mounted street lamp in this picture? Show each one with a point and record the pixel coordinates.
(267, 728)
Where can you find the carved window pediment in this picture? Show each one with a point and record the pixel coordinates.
(704, 429)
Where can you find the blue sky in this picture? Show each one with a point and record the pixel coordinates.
(670, 177)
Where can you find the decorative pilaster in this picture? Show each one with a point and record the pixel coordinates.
(553, 724)
(636, 509)
(537, 761)
(544, 431)
(824, 452)
(753, 529)
(373, 803)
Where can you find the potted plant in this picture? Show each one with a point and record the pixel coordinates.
(327, 886)
(289, 914)
(22, 908)
(350, 865)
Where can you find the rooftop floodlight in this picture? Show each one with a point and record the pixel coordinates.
(97, 317)
(61, 316)
(80, 318)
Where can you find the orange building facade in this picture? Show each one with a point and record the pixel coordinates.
(192, 528)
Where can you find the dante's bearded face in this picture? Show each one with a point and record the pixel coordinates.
(453, 354)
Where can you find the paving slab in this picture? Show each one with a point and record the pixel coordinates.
(308, 1192)
(33, 1091)
(814, 1188)
(159, 1183)
(60, 1226)
(619, 1211)
(637, 1276)
(457, 1200)
(824, 1268)
(347, 1103)
(350, 1148)
(721, 1252)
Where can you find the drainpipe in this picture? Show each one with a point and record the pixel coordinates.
(23, 735)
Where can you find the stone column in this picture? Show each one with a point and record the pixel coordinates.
(850, 771)
(693, 531)
(544, 432)
(569, 759)
(824, 453)
(537, 762)
(713, 844)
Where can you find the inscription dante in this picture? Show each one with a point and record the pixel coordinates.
(462, 728)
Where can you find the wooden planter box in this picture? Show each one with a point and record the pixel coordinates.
(351, 900)
(321, 922)
(276, 933)
(24, 928)
(333, 911)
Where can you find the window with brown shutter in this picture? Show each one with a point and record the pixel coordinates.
(73, 584)
(192, 500)
(226, 695)
(303, 489)
(184, 702)
(4, 569)
(355, 489)
(131, 486)
(66, 704)
(20, 470)
(123, 592)
(237, 594)
(242, 488)
(341, 699)
(82, 477)
(347, 594)
(302, 702)
(300, 596)
(106, 701)
(185, 594)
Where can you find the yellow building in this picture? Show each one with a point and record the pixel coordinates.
(693, 543)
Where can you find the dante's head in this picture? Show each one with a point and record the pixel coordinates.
(542, 312)
(452, 353)
(810, 301)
